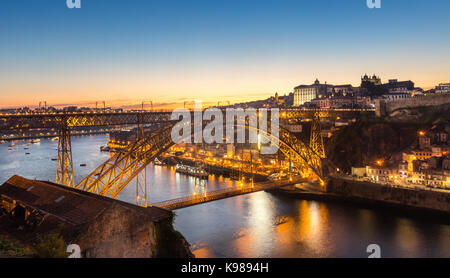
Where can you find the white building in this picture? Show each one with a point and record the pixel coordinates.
(306, 93)
(443, 88)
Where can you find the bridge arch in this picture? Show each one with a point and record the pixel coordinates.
(111, 177)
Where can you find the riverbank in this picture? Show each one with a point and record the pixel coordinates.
(221, 170)
(55, 134)
(375, 196)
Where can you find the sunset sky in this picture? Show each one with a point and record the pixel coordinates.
(170, 51)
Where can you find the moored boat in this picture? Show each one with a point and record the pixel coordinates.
(192, 171)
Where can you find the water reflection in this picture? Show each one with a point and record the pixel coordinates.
(266, 226)
(254, 225)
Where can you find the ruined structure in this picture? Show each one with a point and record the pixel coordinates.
(101, 226)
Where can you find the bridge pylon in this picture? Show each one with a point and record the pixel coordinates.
(64, 168)
(141, 188)
(316, 139)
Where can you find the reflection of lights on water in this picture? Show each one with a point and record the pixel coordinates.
(314, 213)
(260, 223)
(259, 141)
(407, 236)
(313, 218)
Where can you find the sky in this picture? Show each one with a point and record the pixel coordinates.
(170, 51)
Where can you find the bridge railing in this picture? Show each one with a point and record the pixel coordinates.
(211, 195)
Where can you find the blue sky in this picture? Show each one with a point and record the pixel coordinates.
(124, 51)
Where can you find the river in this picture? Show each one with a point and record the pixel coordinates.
(254, 225)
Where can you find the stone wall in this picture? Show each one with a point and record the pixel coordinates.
(384, 107)
(120, 232)
(424, 199)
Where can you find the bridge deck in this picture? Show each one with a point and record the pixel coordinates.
(192, 200)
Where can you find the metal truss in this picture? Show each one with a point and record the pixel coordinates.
(305, 159)
(302, 156)
(110, 178)
(316, 139)
(141, 188)
(304, 113)
(104, 118)
(78, 119)
(64, 168)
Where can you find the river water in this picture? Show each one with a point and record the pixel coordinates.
(254, 225)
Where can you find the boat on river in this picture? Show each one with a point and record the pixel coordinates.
(191, 171)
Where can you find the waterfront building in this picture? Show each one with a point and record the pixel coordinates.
(431, 178)
(422, 154)
(359, 172)
(446, 163)
(382, 173)
(424, 142)
(439, 150)
(403, 169)
(441, 136)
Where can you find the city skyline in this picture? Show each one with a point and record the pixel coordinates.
(172, 51)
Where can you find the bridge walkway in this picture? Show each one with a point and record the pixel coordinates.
(196, 199)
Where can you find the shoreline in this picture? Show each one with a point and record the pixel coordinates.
(360, 202)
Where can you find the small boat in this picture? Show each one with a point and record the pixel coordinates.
(2, 142)
(55, 139)
(191, 171)
(82, 165)
(35, 141)
(54, 159)
(25, 148)
(27, 153)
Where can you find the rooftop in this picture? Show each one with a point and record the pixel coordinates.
(70, 205)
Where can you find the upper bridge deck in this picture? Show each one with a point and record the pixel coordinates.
(34, 120)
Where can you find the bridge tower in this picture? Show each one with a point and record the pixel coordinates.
(316, 139)
(64, 168)
(316, 145)
(141, 177)
(141, 188)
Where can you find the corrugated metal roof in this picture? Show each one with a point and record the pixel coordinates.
(71, 205)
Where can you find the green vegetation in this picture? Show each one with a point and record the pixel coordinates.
(9, 249)
(366, 141)
(421, 115)
(371, 139)
(51, 246)
(169, 242)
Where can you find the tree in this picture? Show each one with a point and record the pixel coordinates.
(51, 246)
